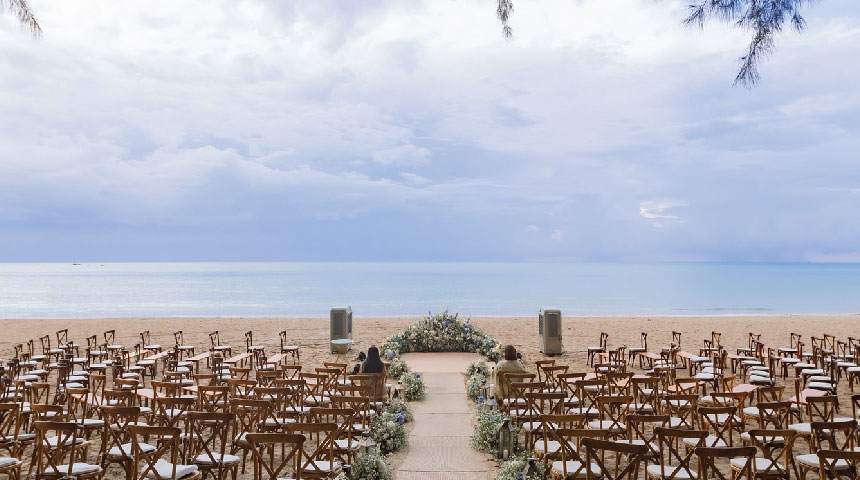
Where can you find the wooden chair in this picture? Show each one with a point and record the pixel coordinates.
(208, 434)
(116, 444)
(11, 467)
(146, 343)
(213, 398)
(633, 352)
(739, 459)
(595, 454)
(172, 411)
(776, 459)
(266, 464)
(539, 403)
(215, 339)
(818, 409)
(56, 456)
(601, 348)
(587, 391)
(248, 417)
(642, 430)
(566, 462)
(546, 433)
(292, 350)
(12, 439)
(319, 461)
(672, 464)
(771, 415)
(613, 410)
(838, 436)
(837, 465)
(345, 445)
(718, 421)
(150, 464)
(646, 395)
(681, 409)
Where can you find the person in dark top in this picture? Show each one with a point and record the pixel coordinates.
(357, 368)
(373, 364)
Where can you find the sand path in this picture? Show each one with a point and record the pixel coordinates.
(439, 445)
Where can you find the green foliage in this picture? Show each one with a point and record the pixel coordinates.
(400, 406)
(475, 386)
(442, 332)
(413, 386)
(397, 367)
(387, 432)
(513, 467)
(478, 366)
(371, 466)
(487, 422)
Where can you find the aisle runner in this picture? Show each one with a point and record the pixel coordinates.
(439, 444)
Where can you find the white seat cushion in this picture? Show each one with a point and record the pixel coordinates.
(811, 460)
(759, 465)
(710, 441)
(127, 448)
(572, 467)
(606, 425)
(77, 468)
(226, 459)
(551, 445)
(8, 461)
(344, 444)
(52, 441)
(659, 471)
(165, 470)
(324, 466)
(801, 428)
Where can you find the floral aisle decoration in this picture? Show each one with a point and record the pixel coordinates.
(413, 386)
(401, 408)
(478, 366)
(369, 466)
(386, 429)
(442, 332)
(475, 386)
(487, 423)
(513, 468)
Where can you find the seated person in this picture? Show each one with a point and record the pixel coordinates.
(511, 363)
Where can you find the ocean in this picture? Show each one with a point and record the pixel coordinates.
(225, 289)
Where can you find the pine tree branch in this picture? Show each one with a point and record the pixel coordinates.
(21, 10)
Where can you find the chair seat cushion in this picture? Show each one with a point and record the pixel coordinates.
(759, 465)
(225, 459)
(710, 441)
(574, 469)
(323, 466)
(344, 444)
(8, 461)
(165, 470)
(551, 445)
(606, 425)
(802, 428)
(77, 468)
(811, 460)
(129, 451)
(659, 471)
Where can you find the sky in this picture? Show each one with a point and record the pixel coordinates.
(413, 131)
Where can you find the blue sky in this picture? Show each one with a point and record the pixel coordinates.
(391, 130)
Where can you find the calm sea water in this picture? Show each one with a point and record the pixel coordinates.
(389, 289)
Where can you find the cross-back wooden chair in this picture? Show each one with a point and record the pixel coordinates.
(96, 352)
(837, 435)
(818, 409)
(712, 461)
(681, 409)
(587, 391)
(618, 383)
(595, 453)
(345, 445)
(146, 343)
(241, 388)
(719, 422)
(291, 372)
(318, 460)
(10, 429)
(250, 346)
(567, 462)
(539, 403)
(151, 464)
(65, 344)
(646, 395)
(673, 465)
(45, 413)
(58, 454)
(185, 350)
(548, 424)
(207, 435)
(775, 458)
(360, 405)
(612, 412)
(374, 384)
(551, 377)
(633, 352)
(772, 415)
(298, 392)
(266, 378)
(838, 465)
(277, 416)
(518, 404)
(593, 352)
(316, 388)
(289, 349)
(567, 381)
(267, 465)
(82, 411)
(642, 430)
(116, 447)
(173, 411)
(248, 418)
(52, 354)
(215, 340)
(213, 398)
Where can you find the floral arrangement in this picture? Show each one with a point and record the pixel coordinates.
(413, 386)
(397, 367)
(441, 332)
(369, 466)
(487, 423)
(400, 407)
(475, 386)
(478, 366)
(386, 429)
(512, 469)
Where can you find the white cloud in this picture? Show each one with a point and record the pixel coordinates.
(557, 235)
(401, 155)
(532, 228)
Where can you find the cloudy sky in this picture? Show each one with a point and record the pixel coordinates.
(411, 130)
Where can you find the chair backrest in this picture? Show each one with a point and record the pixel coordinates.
(644, 428)
(248, 415)
(145, 338)
(145, 459)
(775, 446)
(671, 460)
(172, 411)
(212, 398)
(822, 409)
(240, 388)
(646, 391)
(110, 336)
(613, 409)
(770, 393)
(115, 433)
(215, 338)
(62, 337)
(587, 391)
(291, 372)
(567, 382)
(539, 364)
(551, 373)
(682, 407)
(118, 398)
(10, 421)
(618, 383)
(322, 448)
(836, 464)
(569, 440)
(46, 344)
(264, 447)
(208, 434)
(708, 464)
(45, 413)
(178, 338)
(52, 453)
(836, 435)
(720, 421)
(595, 453)
(774, 415)
(249, 339)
